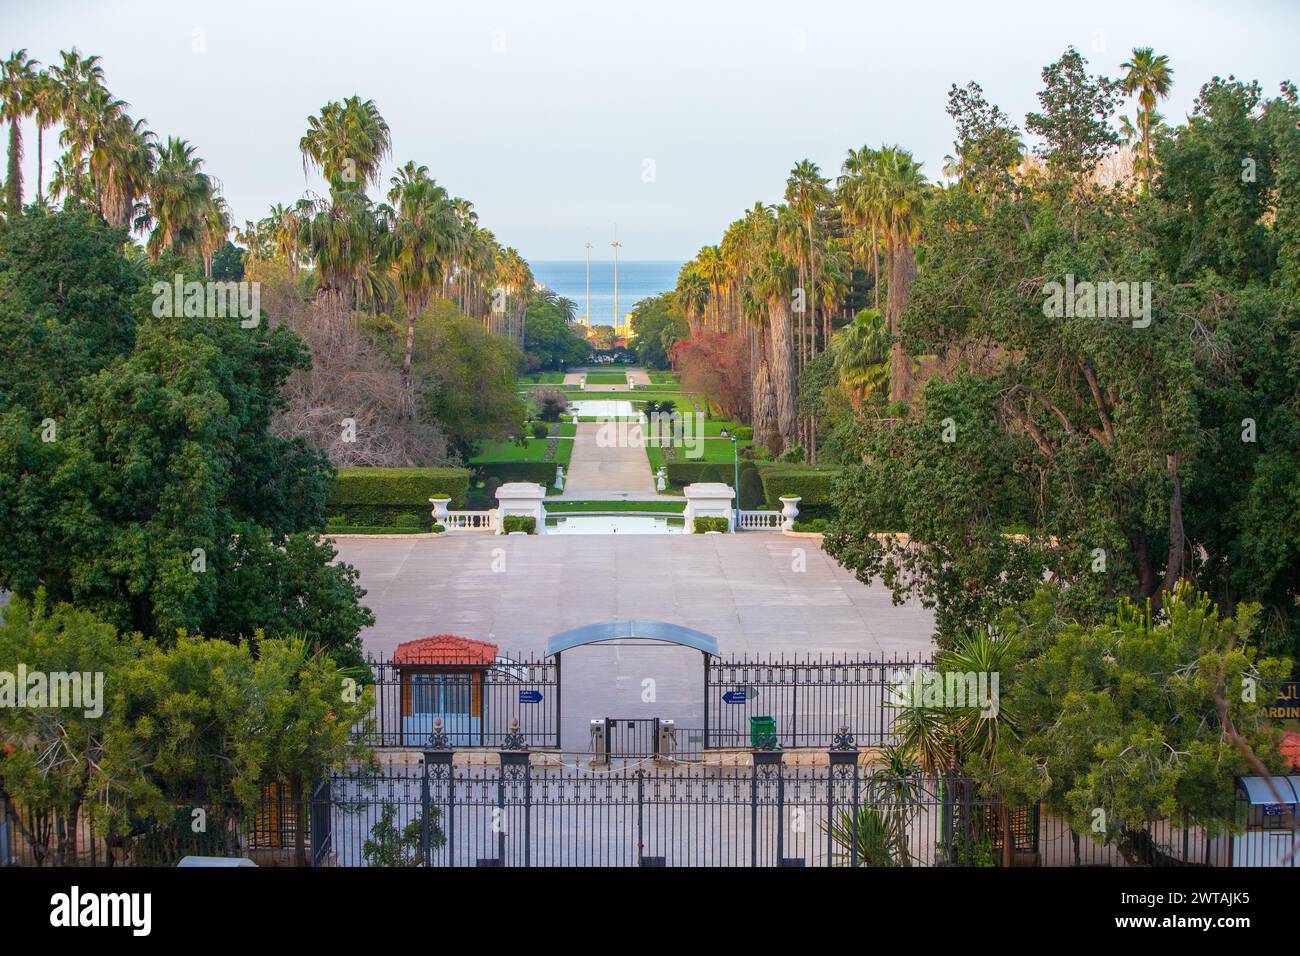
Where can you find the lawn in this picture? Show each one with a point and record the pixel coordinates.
(606, 378)
(541, 378)
(533, 449)
(662, 378)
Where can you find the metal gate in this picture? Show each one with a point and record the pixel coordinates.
(632, 736)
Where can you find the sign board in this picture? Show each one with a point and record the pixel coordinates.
(1287, 706)
(734, 697)
(530, 697)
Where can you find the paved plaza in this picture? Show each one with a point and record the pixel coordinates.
(747, 590)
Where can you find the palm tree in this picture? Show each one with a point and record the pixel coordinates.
(1150, 77)
(17, 101)
(709, 264)
(692, 294)
(346, 142)
(178, 194)
(423, 219)
(862, 204)
(902, 191)
(806, 191)
(121, 164)
(213, 228)
(80, 81)
(861, 354)
(47, 108)
(773, 281)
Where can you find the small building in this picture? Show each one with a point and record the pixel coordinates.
(1268, 838)
(442, 676)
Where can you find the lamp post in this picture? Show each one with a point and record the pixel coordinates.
(735, 458)
(588, 315)
(617, 246)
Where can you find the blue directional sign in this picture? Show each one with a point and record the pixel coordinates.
(530, 697)
(734, 697)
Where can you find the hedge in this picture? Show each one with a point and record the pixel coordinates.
(683, 473)
(812, 484)
(388, 497)
(525, 523)
(541, 472)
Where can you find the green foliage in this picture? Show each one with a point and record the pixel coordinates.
(550, 341)
(744, 433)
(703, 525)
(657, 325)
(524, 523)
(549, 402)
(467, 376)
(381, 496)
(391, 847)
(1124, 717)
(539, 472)
(752, 492)
(814, 484)
(201, 723)
(540, 430)
(66, 306)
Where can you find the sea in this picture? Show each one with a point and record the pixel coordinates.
(637, 280)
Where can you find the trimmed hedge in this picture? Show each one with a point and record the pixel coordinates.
(524, 523)
(541, 472)
(682, 473)
(389, 497)
(705, 525)
(813, 484)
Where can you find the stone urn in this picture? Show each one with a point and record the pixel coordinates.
(789, 511)
(440, 510)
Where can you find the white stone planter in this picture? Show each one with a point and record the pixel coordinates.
(440, 510)
(789, 511)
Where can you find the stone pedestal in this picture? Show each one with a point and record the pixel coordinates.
(709, 500)
(521, 498)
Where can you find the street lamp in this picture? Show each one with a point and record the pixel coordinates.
(735, 457)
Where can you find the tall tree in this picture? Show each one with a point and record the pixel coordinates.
(1150, 77)
(17, 102)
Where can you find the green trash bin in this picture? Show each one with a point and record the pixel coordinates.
(762, 732)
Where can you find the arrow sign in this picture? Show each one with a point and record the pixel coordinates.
(734, 697)
(530, 697)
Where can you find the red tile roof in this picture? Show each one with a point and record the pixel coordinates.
(445, 649)
(1291, 749)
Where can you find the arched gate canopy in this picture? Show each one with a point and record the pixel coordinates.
(608, 632)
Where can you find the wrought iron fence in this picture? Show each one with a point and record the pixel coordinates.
(522, 813)
(806, 701)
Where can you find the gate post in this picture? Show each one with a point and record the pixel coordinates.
(437, 761)
(514, 764)
(767, 760)
(844, 763)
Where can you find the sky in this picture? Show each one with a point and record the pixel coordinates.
(565, 120)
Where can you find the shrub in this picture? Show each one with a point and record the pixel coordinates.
(812, 484)
(438, 529)
(550, 402)
(792, 455)
(752, 493)
(541, 472)
(540, 430)
(407, 521)
(525, 523)
(703, 525)
(383, 496)
(744, 433)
